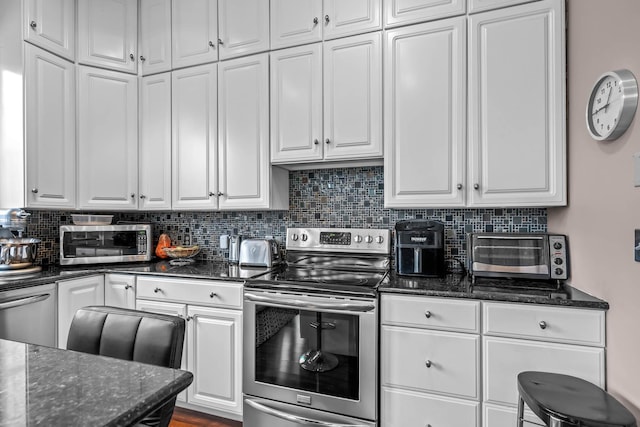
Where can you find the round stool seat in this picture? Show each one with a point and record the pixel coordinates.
(571, 400)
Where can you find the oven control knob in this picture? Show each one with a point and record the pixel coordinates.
(557, 245)
(379, 239)
(294, 237)
(558, 261)
(357, 239)
(559, 271)
(304, 237)
(368, 239)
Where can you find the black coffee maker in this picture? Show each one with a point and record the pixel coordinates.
(420, 248)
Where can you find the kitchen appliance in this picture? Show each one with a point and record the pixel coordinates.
(259, 253)
(536, 256)
(18, 253)
(420, 248)
(311, 334)
(235, 243)
(13, 220)
(29, 315)
(97, 244)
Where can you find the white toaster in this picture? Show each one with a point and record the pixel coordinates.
(259, 253)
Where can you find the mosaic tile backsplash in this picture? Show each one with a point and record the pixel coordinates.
(349, 197)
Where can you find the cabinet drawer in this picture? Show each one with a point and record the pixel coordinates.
(207, 292)
(433, 313)
(431, 361)
(502, 416)
(503, 359)
(559, 324)
(401, 408)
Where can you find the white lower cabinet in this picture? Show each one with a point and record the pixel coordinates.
(120, 290)
(74, 294)
(213, 340)
(438, 368)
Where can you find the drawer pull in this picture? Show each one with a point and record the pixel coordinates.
(427, 314)
(189, 318)
(213, 295)
(156, 290)
(427, 363)
(543, 324)
(127, 287)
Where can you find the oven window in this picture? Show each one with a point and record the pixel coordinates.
(308, 350)
(511, 253)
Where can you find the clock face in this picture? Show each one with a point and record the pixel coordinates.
(612, 105)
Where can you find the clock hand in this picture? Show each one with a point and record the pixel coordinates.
(606, 104)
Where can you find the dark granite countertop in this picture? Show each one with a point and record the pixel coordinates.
(51, 387)
(461, 286)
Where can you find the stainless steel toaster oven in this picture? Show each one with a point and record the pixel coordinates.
(537, 256)
(98, 244)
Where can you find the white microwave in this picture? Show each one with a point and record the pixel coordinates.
(98, 244)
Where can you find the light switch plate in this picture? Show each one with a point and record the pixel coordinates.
(637, 246)
(636, 169)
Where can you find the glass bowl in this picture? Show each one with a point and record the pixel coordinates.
(181, 255)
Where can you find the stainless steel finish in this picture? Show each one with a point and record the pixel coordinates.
(212, 44)
(328, 141)
(220, 193)
(315, 141)
(427, 363)
(427, 314)
(142, 58)
(476, 186)
(15, 220)
(132, 56)
(212, 295)
(267, 413)
(127, 287)
(629, 87)
(459, 186)
(142, 196)
(156, 290)
(259, 253)
(34, 190)
(211, 194)
(309, 238)
(29, 315)
(133, 195)
(33, 24)
(235, 243)
(18, 253)
(220, 42)
(543, 324)
(315, 20)
(326, 18)
(289, 301)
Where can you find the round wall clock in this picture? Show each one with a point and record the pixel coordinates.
(612, 105)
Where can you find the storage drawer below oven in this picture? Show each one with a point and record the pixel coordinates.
(268, 413)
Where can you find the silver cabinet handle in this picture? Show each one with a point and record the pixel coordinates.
(220, 42)
(427, 363)
(142, 58)
(427, 314)
(212, 44)
(296, 419)
(211, 194)
(220, 193)
(189, 318)
(476, 186)
(315, 21)
(350, 306)
(33, 24)
(459, 186)
(543, 324)
(156, 290)
(316, 142)
(326, 19)
(34, 190)
(132, 56)
(133, 195)
(213, 295)
(127, 287)
(327, 141)
(142, 196)
(23, 301)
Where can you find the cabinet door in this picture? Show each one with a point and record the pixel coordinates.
(108, 34)
(73, 295)
(403, 12)
(107, 139)
(194, 32)
(483, 5)
(353, 97)
(155, 142)
(155, 36)
(425, 124)
(215, 358)
(243, 27)
(50, 93)
(296, 104)
(348, 17)
(194, 143)
(172, 309)
(295, 22)
(243, 132)
(120, 290)
(517, 139)
(50, 24)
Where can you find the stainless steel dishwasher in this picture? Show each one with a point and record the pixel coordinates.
(29, 314)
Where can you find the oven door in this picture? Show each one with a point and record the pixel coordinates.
(313, 351)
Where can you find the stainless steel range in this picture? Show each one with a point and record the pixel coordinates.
(311, 335)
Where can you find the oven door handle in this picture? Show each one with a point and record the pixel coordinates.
(23, 301)
(313, 305)
(298, 420)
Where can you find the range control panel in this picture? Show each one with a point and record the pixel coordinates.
(559, 267)
(355, 240)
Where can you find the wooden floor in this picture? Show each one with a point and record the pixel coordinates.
(186, 418)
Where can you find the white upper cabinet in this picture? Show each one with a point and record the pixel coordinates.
(155, 36)
(296, 104)
(194, 32)
(50, 129)
(108, 34)
(483, 5)
(50, 24)
(194, 138)
(425, 70)
(107, 139)
(403, 12)
(517, 137)
(295, 22)
(154, 146)
(245, 171)
(353, 97)
(350, 126)
(243, 27)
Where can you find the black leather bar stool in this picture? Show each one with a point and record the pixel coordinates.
(563, 401)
